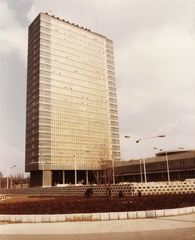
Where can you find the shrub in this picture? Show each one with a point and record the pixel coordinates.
(89, 192)
(121, 194)
(139, 193)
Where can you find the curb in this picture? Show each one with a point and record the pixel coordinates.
(95, 216)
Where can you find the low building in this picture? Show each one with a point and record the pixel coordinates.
(168, 165)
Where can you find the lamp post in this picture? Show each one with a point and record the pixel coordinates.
(11, 175)
(167, 162)
(140, 166)
(143, 152)
(113, 172)
(43, 183)
(7, 175)
(75, 170)
(75, 166)
(87, 166)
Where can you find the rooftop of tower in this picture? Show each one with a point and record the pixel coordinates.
(73, 24)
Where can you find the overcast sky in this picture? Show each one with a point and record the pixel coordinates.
(154, 44)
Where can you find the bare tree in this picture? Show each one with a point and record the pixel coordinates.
(104, 177)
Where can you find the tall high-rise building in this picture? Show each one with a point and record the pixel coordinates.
(71, 112)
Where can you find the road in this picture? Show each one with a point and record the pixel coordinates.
(176, 227)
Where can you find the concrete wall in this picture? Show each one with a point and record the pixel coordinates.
(130, 189)
(157, 188)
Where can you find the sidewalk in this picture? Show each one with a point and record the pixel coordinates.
(133, 225)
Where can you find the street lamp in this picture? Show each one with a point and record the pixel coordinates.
(167, 162)
(113, 171)
(11, 175)
(75, 167)
(7, 175)
(75, 170)
(143, 153)
(140, 166)
(43, 178)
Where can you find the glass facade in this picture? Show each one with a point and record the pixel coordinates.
(71, 119)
